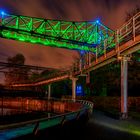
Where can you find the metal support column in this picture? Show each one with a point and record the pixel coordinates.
(49, 91)
(124, 69)
(74, 88)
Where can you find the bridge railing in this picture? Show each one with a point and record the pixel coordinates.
(129, 30)
(107, 45)
(52, 75)
(32, 126)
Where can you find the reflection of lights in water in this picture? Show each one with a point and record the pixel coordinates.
(49, 115)
(40, 105)
(27, 106)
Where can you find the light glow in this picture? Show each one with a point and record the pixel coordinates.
(2, 13)
(97, 21)
(62, 34)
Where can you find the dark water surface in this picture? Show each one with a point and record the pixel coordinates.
(11, 115)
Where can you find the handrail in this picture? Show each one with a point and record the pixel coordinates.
(130, 26)
(30, 125)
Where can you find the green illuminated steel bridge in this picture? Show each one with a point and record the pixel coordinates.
(89, 36)
(86, 35)
(104, 44)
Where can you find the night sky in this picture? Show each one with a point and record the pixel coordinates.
(112, 13)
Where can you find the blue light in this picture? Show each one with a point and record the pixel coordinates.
(97, 21)
(79, 90)
(2, 13)
(82, 52)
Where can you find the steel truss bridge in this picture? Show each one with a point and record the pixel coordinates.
(84, 35)
(100, 44)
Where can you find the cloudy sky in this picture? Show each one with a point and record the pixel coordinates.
(110, 12)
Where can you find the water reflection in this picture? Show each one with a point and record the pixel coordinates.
(23, 109)
(12, 111)
(10, 115)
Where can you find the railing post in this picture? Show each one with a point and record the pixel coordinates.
(96, 54)
(105, 45)
(36, 128)
(117, 43)
(133, 28)
(80, 64)
(89, 58)
(49, 91)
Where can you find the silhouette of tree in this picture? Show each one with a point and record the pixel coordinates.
(17, 59)
(16, 74)
(132, 13)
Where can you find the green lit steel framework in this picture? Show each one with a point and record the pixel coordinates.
(62, 34)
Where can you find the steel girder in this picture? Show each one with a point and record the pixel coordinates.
(63, 34)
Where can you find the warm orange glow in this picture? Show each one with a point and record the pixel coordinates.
(28, 104)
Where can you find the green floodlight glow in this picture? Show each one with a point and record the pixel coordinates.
(125, 127)
(84, 36)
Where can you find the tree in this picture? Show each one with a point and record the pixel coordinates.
(17, 59)
(16, 74)
(132, 13)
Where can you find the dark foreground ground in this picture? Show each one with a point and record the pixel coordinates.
(99, 127)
